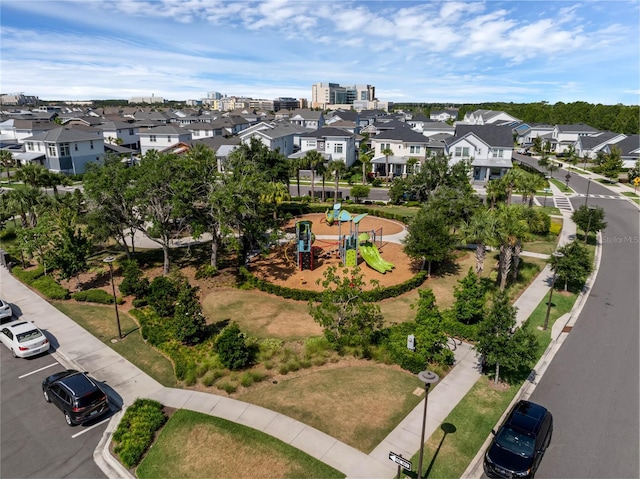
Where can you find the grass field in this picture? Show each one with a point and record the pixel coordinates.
(185, 445)
(100, 321)
(358, 405)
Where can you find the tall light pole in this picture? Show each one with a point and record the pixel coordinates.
(109, 260)
(586, 198)
(428, 378)
(591, 211)
(557, 255)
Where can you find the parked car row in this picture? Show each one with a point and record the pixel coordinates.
(77, 395)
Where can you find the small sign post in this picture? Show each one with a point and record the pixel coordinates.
(400, 461)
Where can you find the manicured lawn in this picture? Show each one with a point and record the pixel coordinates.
(186, 444)
(561, 185)
(561, 303)
(100, 321)
(455, 443)
(357, 405)
(630, 194)
(550, 210)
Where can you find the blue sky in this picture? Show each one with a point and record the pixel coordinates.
(411, 51)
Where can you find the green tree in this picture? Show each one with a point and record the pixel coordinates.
(481, 231)
(359, 192)
(527, 185)
(470, 299)
(164, 199)
(634, 172)
(39, 240)
(510, 231)
(365, 156)
(134, 281)
(574, 267)
(313, 158)
(111, 199)
(7, 161)
(612, 164)
(32, 175)
(500, 343)
(337, 169)
(431, 340)
(346, 318)
(73, 246)
(232, 348)
(163, 293)
(429, 237)
(589, 219)
(387, 152)
(572, 156)
(188, 321)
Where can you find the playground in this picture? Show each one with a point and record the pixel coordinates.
(316, 245)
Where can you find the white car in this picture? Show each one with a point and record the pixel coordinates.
(24, 339)
(5, 312)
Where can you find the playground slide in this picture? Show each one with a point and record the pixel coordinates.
(371, 255)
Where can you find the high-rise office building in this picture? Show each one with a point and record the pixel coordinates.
(324, 94)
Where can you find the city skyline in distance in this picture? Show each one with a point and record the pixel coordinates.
(412, 51)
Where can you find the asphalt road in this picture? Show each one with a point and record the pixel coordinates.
(592, 386)
(35, 440)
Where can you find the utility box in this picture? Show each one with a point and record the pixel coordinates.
(411, 342)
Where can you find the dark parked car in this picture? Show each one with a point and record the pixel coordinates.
(518, 446)
(76, 395)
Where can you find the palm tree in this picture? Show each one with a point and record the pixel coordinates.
(495, 189)
(479, 230)
(337, 167)
(528, 185)
(6, 160)
(313, 158)
(510, 231)
(32, 175)
(510, 180)
(411, 165)
(275, 193)
(322, 171)
(365, 158)
(387, 152)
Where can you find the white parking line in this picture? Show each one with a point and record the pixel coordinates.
(90, 428)
(37, 370)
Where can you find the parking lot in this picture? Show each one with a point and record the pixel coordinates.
(35, 440)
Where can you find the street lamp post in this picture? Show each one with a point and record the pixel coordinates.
(557, 255)
(586, 233)
(567, 177)
(428, 378)
(109, 260)
(586, 198)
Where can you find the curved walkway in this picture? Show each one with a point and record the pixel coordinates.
(82, 351)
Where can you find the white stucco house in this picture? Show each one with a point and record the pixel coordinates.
(565, 135)
(127, 133)
(489, 148)
(488, 117)
(589, 146)
(283, 137)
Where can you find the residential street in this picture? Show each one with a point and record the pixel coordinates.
(592, 384)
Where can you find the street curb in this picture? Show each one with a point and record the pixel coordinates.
(475, 469)
(102, 456)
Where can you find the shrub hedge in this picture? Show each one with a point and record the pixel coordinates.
(95, 296)
(136, 430)
(373, 295)
(48, 286)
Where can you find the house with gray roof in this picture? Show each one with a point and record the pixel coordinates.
(443, 115)
(404, 143)
(306, 118)
(161, 137)
(205, 130)
(629, 150)
(67, 150)
(566, 135)
(589, 146)
(117, 132)
(432, 128)
(487, 117)
(280, 137)
(331, 143)
(19, 129)
(527, 135)
(488, 147)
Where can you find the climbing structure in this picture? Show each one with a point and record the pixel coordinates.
(304, 239)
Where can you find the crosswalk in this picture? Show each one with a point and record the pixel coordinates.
(562, 203)
(608, 197)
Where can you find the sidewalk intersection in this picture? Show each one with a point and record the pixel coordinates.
(82, 351)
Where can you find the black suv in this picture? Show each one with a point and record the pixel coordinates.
(76, 395)
(520, 443)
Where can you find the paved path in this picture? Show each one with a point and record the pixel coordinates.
(79, 349)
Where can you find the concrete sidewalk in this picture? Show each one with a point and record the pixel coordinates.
(79, 349)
